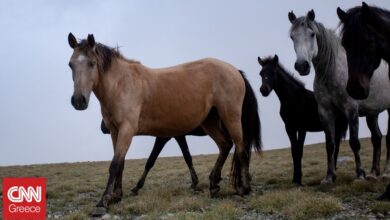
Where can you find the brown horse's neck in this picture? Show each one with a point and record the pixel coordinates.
(120, 72)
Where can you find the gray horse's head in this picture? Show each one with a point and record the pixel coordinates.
(303, 34)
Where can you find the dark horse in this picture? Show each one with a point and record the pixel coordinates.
(366, 39)
(159, 144)
(298, 109)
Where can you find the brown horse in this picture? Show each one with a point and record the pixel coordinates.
(137, 100)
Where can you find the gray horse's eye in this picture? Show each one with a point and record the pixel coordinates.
(312, 35)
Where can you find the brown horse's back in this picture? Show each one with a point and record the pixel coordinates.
(179, 98)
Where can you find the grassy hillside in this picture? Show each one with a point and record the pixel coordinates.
(74, 189)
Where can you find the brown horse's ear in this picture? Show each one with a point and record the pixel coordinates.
(342, 15)
(276, 59)
(291, 16)
(311, 15)
(261, 62)
(72, 41)
(91, 40)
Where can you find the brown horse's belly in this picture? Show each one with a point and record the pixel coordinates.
(172, 122)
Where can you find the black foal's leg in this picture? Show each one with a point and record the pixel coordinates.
(386, 194)
(301, 141)
(386, 173)
(292, 135)
(181, 140)
(376, 138)
(158, 146)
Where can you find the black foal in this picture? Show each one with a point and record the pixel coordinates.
(298, 109)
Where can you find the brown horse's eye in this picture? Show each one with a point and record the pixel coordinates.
(91, 64)
(70, 65)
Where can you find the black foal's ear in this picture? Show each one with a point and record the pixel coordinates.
(261, 62)
(311, 15)
(91, 40)
(72, 41)
(342, 15)
(276, 59)
(291, 16)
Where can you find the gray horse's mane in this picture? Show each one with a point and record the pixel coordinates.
(328, 46)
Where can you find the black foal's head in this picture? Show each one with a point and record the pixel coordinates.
(268, 74)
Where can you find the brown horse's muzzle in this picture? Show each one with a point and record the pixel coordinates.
(79, 102)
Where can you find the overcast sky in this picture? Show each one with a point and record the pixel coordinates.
(38, 123)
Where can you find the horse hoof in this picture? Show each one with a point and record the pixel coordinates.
(327, 181)
(214, 192)
(386, 176)
(133, 192)
(99, 212)
(383, 197)
(371, 177)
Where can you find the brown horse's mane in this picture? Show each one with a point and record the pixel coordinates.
(104, 54)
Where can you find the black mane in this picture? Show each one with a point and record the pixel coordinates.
(355, 18)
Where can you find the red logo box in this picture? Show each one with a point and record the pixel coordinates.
(24, 198)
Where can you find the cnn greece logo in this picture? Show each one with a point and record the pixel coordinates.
(22, 193)
(24, 198)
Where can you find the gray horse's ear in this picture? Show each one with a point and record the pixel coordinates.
(72, 41)
(342, 15)
(291, 16)
(91, 40)
(276, 59)
(311, 15)
(261, 62)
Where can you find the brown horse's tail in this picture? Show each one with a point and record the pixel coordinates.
(251, 127)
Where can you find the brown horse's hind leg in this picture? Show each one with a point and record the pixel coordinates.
(122, 141)
(232, 121)
(213, 127)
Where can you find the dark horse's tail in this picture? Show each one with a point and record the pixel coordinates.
(251, 127)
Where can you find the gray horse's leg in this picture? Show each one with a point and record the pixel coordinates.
(354, 143)
(386, 173)
(328, 120)
(376, 137)
(181, 140)
(158, 146)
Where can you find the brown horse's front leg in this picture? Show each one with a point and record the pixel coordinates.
(114, 183)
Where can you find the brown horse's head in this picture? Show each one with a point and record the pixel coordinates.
(85, 73)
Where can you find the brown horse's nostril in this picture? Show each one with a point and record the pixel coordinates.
(83, 101)
(72, 100)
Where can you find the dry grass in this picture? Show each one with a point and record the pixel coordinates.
(74, 189)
